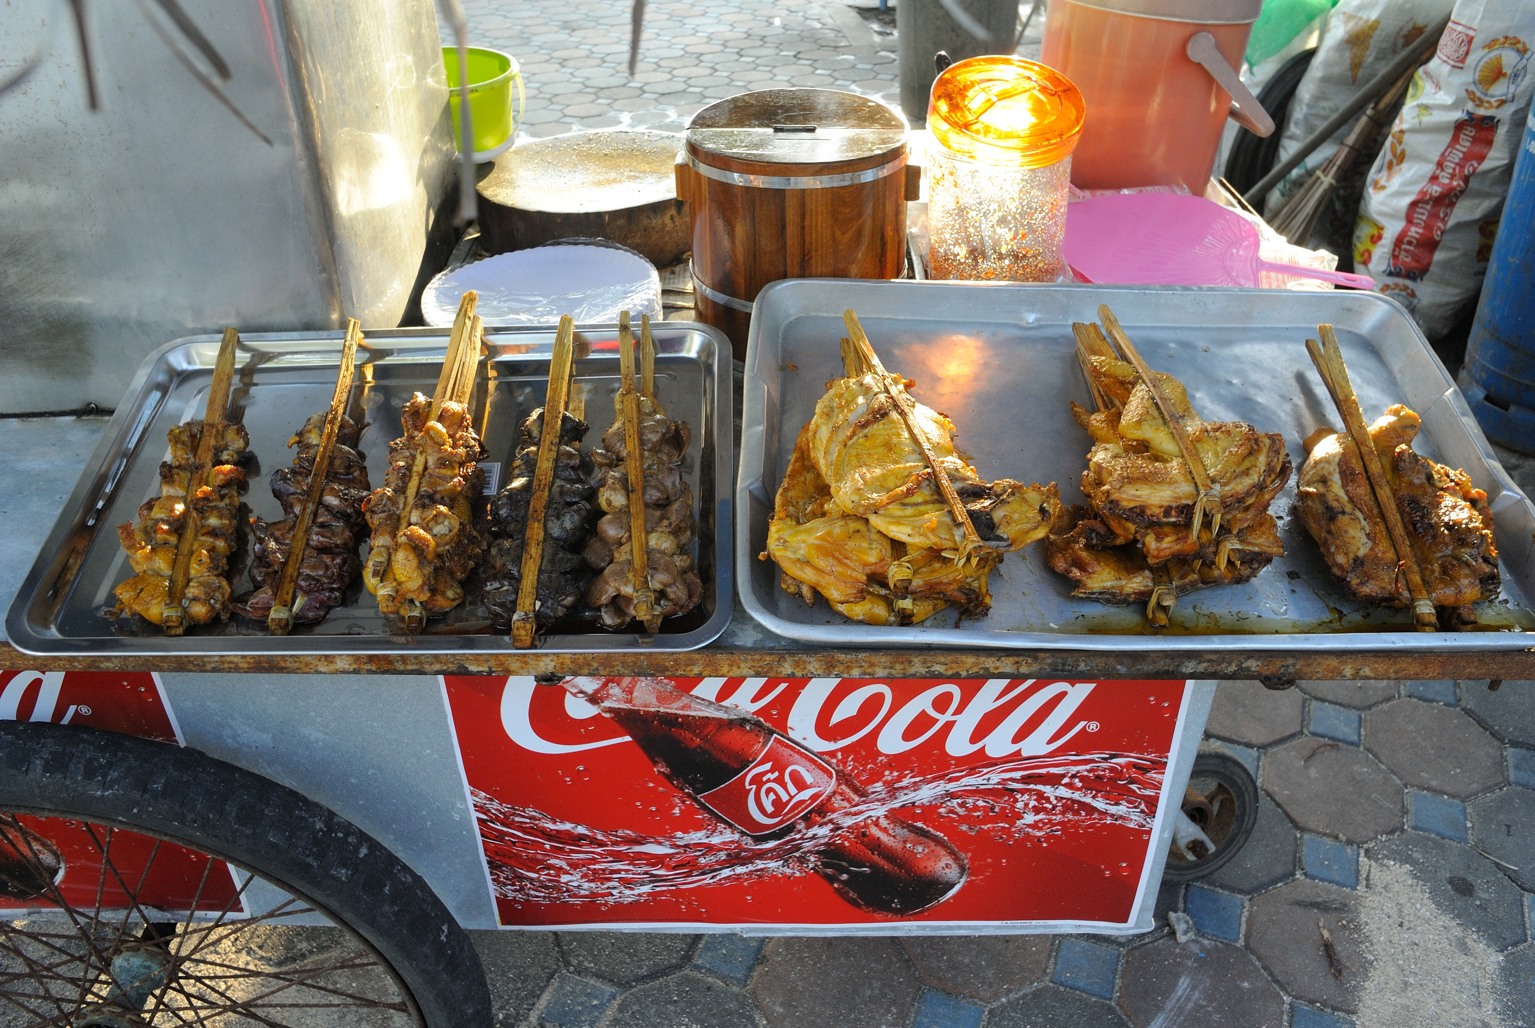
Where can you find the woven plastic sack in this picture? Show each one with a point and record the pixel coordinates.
(1436, 190)
(1359, 39)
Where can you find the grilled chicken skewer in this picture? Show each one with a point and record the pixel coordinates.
(541, 521)
(304, 563)
(180, 543)
(643, 545)
(1394, 527)
(881, 513)
(424, 542)
(1175, 503)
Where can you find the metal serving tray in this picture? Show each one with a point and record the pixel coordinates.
(282, 379)
(1000, 361)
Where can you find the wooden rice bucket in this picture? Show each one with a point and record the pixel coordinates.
(792, 183)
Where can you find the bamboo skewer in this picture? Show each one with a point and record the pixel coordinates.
(524, 623)
(172, 615)
(1328, 358)
(280, 619)
(634, 467)
(1208, 501)
(970, 540)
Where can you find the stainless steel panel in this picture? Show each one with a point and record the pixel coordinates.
(283, 378)
(1000, 361)
(162, 214)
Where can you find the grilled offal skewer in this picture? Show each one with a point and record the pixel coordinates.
(303, 563)
(541, 521)
(180, 542)
(424, 542)
(643, 546)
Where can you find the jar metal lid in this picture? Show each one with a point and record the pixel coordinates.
(1006, 110)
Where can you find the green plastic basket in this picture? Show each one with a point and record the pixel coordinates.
(493, 77)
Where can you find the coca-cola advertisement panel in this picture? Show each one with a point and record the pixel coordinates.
(820, 804)
(56, 857)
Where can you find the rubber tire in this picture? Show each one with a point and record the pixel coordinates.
(1236, 782)
(188, 797)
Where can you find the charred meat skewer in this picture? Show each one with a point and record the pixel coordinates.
(1175, 502)
(642, 493)
(180, 543)
(1395, 527)
(544, 514)
(424, 542)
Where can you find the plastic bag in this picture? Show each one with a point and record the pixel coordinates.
(1429, 214)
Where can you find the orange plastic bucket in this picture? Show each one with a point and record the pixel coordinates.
(1159, 80)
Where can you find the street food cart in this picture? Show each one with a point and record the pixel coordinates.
(179, 813)
(405, 786)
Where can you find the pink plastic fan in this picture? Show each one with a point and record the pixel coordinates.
(1172, 239)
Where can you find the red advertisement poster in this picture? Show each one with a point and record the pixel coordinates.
(844, 804)
(163, 875)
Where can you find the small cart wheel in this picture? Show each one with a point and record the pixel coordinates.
(146, 884)
(1220, 808)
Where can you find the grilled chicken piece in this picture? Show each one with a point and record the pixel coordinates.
(842, 557)
(1447, 518)
(874, 469)
(861, 520)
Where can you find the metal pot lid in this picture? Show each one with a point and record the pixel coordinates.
(797, 126)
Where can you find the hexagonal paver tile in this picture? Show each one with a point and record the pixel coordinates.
(1267, 858)
(519, 966)
(625, 957)
(685, 998)
(1347, 693)
(1467, 886)
(1247, 712)
(1051, 1006)
(816, 982)
(1503, 827)
(1514, 992)
(1434, 747)
(1507, 711)
(1285, 932)
(1198, 982)
(984, 968)
(1333, 789)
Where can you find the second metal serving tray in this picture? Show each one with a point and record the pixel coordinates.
(999, 360)
(282, 379)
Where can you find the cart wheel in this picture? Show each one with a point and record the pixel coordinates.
(1220, 806)
(116, 915)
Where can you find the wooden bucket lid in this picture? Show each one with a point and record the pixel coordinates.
(771, 128)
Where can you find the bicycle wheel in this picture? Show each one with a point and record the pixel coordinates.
(147, 884)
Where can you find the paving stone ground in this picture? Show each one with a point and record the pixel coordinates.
(1389, 882)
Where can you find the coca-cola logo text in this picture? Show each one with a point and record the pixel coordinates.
(1001, 718)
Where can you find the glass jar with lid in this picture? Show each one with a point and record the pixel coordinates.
(999, 171)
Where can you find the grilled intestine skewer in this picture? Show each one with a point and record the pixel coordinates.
(541, 520)
(424, 542)
(643, 545)
(303, 564)
(180, 543)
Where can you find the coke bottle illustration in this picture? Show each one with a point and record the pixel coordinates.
(765, 784)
